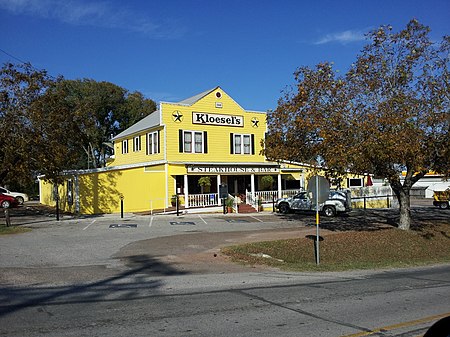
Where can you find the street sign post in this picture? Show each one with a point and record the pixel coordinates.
(320, 188)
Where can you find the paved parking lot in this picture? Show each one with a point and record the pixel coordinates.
(78, 248)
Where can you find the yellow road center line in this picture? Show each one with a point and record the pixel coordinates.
(399, 325)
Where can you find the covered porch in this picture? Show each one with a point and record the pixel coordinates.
(252, 184)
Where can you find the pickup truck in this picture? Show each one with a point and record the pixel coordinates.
(337, 202)
(441, 198)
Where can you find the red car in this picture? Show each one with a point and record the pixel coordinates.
(7, 201)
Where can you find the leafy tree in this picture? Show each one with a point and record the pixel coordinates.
(20, 86)
(388, 114)
(48, 125)
(101, 109)
(56, 134)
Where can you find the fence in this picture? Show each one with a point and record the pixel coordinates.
(373, 197)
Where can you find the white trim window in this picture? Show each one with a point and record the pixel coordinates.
(242, 144)
(125, 146)
(355, 182)
(153, 142)
(137, 144)
(193, 141)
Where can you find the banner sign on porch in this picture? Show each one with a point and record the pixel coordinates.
(231, 169)
(216, 119)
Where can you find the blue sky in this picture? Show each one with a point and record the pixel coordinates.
(172, 49)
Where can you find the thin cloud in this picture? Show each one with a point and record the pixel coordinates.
(344, 37)
(93, 13)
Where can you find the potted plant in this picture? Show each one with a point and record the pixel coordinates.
(260, 206)
(205, 183)
(229, 203)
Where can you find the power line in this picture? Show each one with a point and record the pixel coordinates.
(10, 55)
(23, 62)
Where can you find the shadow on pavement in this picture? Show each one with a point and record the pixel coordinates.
(373, 219)
(129, 285)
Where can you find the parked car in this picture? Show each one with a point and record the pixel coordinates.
(7, 201)
(20, 197)
(337, 202)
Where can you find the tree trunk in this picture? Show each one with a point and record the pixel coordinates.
(405, 210)
(403, 193)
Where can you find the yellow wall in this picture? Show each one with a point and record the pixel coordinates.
(143, 189)
(218, 136)
(141, 156)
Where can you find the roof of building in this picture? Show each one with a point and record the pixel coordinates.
(153, 119)
(193, 99)
(147, 122)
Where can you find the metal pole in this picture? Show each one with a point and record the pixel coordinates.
(57, 208)
(121, 208)
(317, 221)
(8, 220)
(178, 206)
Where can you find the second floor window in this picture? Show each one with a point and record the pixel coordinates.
(137, 144)
(125, 146)
(193, 141)
(153, 142)
(242, 144)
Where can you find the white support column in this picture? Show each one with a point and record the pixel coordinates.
(279, 185)
(186, 191)
(76, 193)
(218, 189)
(252, 185)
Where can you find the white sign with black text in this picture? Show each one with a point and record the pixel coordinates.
(207, 118)
(231, 169)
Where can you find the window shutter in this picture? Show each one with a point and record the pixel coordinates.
(232, 143)
(159, 142)
(180, 141)
(253, 143)
(205, 142)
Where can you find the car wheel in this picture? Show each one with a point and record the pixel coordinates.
(284, 208)
(20, 200)
(5, 204)
(443, 205)
(329, 211)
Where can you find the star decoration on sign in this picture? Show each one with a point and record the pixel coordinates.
(255, 122)
(177, 116)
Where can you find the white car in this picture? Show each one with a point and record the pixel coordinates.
(337, 202)
(20, 197)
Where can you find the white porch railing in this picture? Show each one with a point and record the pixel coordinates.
(203, 200)
(267, 196)
(212, 199)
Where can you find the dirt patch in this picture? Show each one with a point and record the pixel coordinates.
(200, 252)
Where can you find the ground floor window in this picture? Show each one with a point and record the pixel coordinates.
(355, 182)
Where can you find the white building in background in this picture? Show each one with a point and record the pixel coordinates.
(426, 186)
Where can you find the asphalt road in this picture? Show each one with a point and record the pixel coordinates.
(106, 276)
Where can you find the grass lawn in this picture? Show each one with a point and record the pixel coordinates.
(12, 229)
(383, 248)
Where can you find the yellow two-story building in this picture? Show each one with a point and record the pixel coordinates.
(194, 149)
